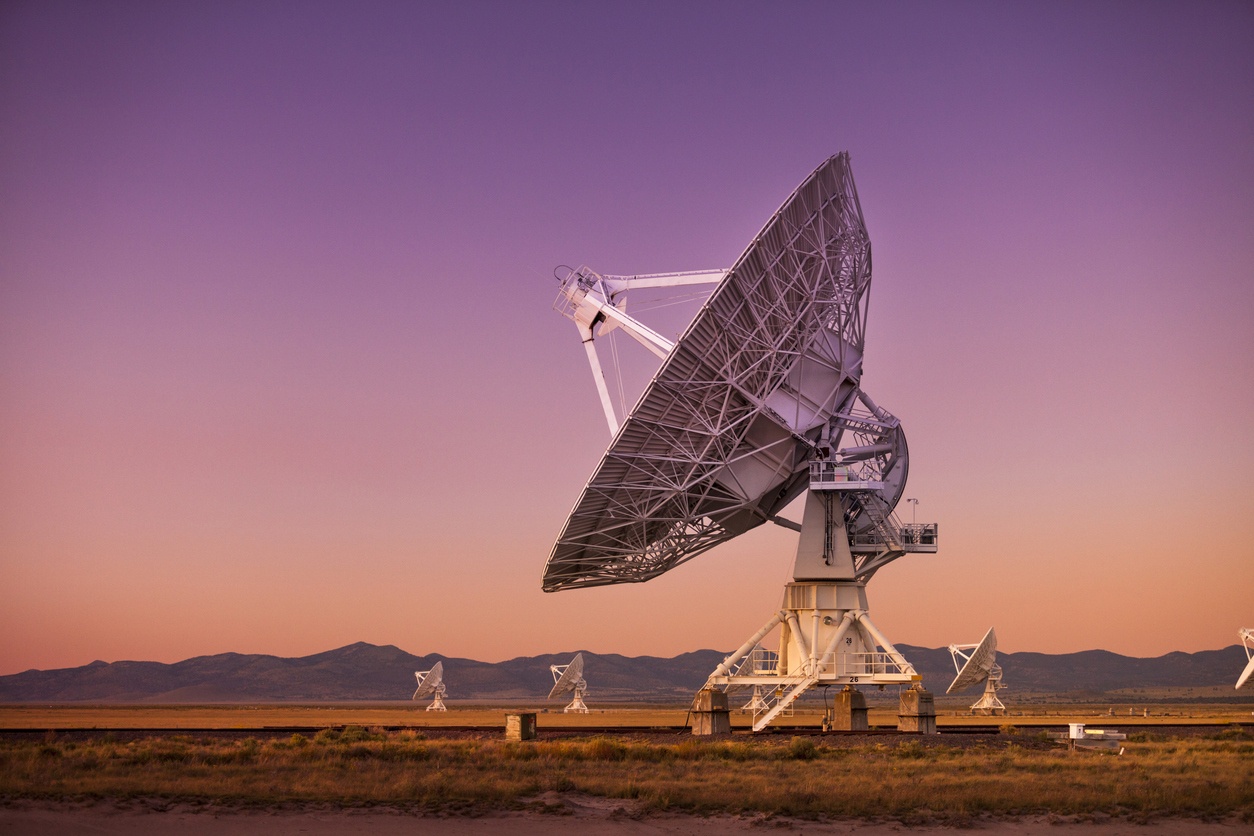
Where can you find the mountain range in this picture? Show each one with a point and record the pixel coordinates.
(370, 672)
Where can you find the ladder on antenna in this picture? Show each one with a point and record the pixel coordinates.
(786, 692)
(885, 526)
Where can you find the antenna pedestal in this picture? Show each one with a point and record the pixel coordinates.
(826, 637)
(827, 634)
(988, 702)
(576, 705)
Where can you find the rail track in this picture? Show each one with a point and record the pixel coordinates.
(272, 732)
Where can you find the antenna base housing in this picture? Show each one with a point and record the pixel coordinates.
(826, 637)
(576, 705)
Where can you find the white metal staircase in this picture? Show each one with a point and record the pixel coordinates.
(786, 692)
(886, 528)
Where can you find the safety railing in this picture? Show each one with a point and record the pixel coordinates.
(758, 662)
(860, 664)
(919, 537)
(826, 474)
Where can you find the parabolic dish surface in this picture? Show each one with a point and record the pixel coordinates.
(434, 678)
(1246, 674)
(718, 443)
(978, 666)
(569, 678)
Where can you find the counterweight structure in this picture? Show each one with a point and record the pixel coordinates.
(758, 402)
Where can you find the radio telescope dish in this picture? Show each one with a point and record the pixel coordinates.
(979, 664)
(1247, 641)
(722, 439)
(569, 677)
(758, 402)
(431, 684)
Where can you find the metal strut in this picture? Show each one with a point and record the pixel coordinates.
(590, 300)
(828, 539)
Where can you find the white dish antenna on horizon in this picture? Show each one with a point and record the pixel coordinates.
(1247, 640)
(757, 703)
(979, 664)
(569, 677)
(431, 684)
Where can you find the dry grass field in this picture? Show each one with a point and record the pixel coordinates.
(1203, 774)
(349, 756)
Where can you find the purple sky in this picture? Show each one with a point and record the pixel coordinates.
(278, 368)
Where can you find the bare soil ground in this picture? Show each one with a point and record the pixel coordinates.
(578, 816)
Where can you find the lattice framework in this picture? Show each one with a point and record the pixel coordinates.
(720, 440)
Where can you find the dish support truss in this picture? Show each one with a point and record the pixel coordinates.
(598, 304)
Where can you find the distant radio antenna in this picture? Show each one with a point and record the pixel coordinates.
(979, 664)
(570, 678)
(1247, 639)
(431, 684)
(757, 703)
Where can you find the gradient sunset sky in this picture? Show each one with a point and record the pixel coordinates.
(279, 370)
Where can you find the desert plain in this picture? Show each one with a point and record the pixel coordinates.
(394, 768)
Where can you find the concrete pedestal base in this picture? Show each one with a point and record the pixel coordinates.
(520, 726)
(710, 714)
(916, 711)
(848, 713)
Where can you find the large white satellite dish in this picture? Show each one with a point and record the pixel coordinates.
(1247, 640)
(569, 677)
(431, 684)
(979, 664)
(758, 402)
